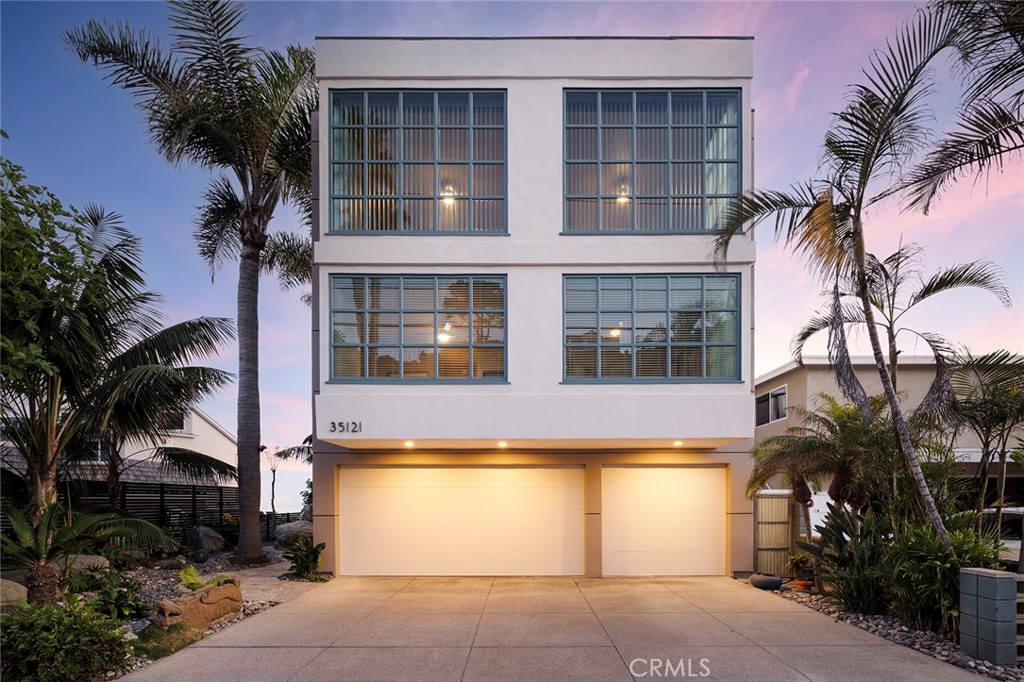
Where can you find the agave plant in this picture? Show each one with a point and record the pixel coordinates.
(61, 534)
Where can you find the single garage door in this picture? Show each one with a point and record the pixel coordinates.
(663, 520)
(461, 520)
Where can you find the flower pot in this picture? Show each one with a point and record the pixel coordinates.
(805, 584)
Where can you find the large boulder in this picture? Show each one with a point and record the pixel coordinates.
(11, 593)
(290, 532)
(84, 563)
(204, 537)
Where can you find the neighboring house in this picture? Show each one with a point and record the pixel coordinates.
(525, 361)
(194, 430)
(794, 384)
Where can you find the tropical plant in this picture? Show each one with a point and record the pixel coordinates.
(61, 642)
(101, 369)
(215, 101)
(990, 121)
(59, 534)
(924, 580)
(274, 459)
(305, 557)
(882, 127)
(110, 592)
(989, 402)
(191, 579)
(889, 284)
(848, 559)
(835, 440)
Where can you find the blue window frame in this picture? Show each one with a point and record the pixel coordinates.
(418, 162)
(418, 328)
(650, 160)
(651, 328)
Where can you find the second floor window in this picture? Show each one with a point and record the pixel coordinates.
(770, 407)
(417, 161)
(650, 160)
(652, 328)
(417, 328)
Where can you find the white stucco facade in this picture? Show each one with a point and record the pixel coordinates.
(540, 418)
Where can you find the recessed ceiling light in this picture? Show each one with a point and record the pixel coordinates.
(502, 444)
(677, 443)
(409, 444)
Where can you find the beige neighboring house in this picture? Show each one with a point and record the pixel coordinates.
(794, 384)
(525, 359)
(195, 430)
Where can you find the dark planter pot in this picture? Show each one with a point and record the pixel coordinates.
(765, 582)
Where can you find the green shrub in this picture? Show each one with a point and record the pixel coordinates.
(60, 643)
(925, 581)
(848, 559)
(305, 557)
(110, 592)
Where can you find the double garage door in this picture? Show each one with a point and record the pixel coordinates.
(529, 521)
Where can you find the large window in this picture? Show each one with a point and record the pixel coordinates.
(417, 328)
(418, 161)
(652, 327)
(650, 160)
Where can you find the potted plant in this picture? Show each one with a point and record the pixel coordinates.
(802, 567)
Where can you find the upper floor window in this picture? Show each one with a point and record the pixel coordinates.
(770, 407)
(650, 160)
(652, 327)
(417, 328)
(416, 161)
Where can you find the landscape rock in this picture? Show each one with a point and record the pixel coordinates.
(11, 593)
(206, 538)
(208, 604)
(84, 563)
(290, 532)
(174, 563)
(200, 556)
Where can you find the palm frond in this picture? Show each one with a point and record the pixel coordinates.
(217, 224)
(290, 257)
(789, 209)
(193, 465)
(839, 358)
(977, 275)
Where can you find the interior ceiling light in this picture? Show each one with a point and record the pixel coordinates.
(409, 444)
(502, 444)
(677, 443)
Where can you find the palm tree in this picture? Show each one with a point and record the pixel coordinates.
(881, 127)
(216, 102)
(836, 441)
(117, 377)
(889, 281)
(989, 49)
(59, 534)
(989, 401)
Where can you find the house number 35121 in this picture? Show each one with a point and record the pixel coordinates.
(346, 427)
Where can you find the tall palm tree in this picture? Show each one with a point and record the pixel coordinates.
(882, 126)
(212, 100)
(889, 283)
(989, 49)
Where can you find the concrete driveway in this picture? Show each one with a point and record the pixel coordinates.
(540, 629)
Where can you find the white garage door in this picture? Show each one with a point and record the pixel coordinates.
(663, 521)
(461, 521)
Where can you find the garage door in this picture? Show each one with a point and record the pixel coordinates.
(461, 521)
(663, 521)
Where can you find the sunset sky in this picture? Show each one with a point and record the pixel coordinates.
(87, 143)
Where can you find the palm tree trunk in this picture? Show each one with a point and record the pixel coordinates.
(114, 484)
(983, 469)
(1001, 490)
(931, 511)
(894, 358)
(44, 490)
(43, 584)
(250, 548)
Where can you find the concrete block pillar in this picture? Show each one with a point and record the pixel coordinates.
(988, 615)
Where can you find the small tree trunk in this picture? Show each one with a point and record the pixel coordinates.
(906, 445)
(250, 548)
(273, 506)
(43, 583)
(1000, 492)
(44, 490)
(983, 469)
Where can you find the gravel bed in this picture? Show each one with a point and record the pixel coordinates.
(157, 584)
(931, 643)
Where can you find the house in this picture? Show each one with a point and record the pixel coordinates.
(525, 360)
(795, 384)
